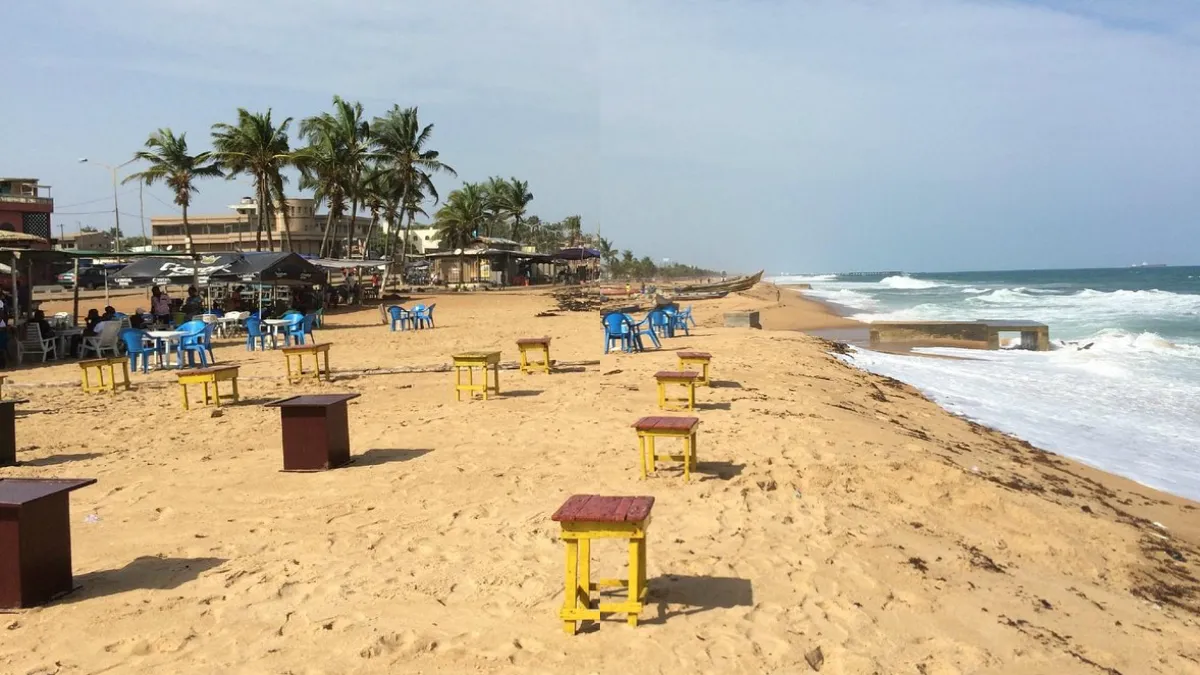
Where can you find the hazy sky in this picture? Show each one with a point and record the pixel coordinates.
(800, 136)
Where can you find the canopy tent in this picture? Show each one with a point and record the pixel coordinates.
(272, 268)
(577, 253)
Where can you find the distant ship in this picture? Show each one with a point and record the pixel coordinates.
(1146, 264)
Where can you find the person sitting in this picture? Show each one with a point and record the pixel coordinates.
(136, 321)
(193, 303)
(90, 323)
(110, 313)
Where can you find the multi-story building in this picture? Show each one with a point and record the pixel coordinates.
(25, 206)
(236, 231)
(85, 241)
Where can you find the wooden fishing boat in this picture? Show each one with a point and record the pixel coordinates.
(728, 286)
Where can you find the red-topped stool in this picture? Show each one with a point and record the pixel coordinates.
(686, 378)
(587, 517)
(649, 428)
(702, 359)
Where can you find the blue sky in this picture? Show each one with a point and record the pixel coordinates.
(829, 135)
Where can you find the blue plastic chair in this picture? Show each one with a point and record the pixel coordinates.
(254, 331)
(399, 315)
(295, 329)
(135, 346)
(678, 320)
(197, 341)
(640, 328)
(687, 315)
(310, 320)
(661, 323)
(423, 316)
(617, 328)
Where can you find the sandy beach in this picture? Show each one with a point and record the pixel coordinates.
(833, 509)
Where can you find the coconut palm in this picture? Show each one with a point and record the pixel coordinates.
(511, 199)
(574, 227)
(322, 170)
(460, 219)
(343, 134)
(400, 141)
(608, 253)
(171, 163)
(257, 147)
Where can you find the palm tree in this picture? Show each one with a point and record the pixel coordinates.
(171, 163)
(459, 220)
(608, 253)
(258, 148)
(400, 141)
(574, 227)
(495, 195)
(513, 199)
(347, 135)
(323, 171)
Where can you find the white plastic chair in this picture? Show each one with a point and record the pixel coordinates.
(107, 341)
(34, 343)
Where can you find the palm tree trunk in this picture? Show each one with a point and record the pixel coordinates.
(270, 224)
(370, 231)
(258, 232)
(187, 232)
(516, 228)
(351, 223)
(328, 226)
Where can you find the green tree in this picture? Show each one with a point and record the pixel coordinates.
(322, 170)
(402, 144)
(608, 253)
(574, 229)
(346, 136)
(460, 219)
(255, 146)
(514, 201)
(171, 163)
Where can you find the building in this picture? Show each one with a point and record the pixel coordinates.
(490, 261)
(85, 241)
(423, 239)
(236, 231)
(25, 206)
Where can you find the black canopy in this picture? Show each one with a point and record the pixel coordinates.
(281, 268)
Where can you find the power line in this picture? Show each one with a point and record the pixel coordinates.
(93, 201)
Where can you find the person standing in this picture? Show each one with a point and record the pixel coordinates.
(160, 305)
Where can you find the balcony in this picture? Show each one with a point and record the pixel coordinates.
(26, 199)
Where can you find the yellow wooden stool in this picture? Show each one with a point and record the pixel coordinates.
(649, 428)
(207, 376)
(102, 364)
(469, 361)
(541, 344)
(587, 517)
(686, 379)
(702, 359)
(298, 351)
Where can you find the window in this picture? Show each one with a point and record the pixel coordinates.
(37, 224)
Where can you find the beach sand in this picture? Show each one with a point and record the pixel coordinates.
(833, 509)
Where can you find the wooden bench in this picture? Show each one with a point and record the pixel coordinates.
(686, 379)
(587, 517)
(316, 350)
(207, 376)
(702, 359)
(650, 428)
(541, 344)
(469, 361)
(101, 365)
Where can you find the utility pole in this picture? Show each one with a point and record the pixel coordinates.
(116, 205)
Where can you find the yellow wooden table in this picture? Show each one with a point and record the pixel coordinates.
(686, 379)
(541, 344)
(101, 365)
(208, 376)
(702, 359)
(649, 428)
(298, 352)
(587, 517)
(469, 361)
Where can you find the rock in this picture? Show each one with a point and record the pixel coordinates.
(815, 659)
(216, 413)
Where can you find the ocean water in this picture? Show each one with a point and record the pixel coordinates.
(1120, 390)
